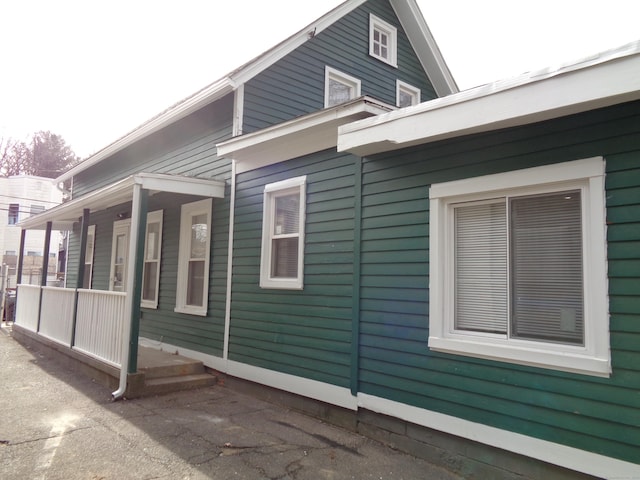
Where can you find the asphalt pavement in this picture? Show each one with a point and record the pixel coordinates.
(57, 424)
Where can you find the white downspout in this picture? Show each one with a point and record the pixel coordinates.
(227, 312)
(129, 300)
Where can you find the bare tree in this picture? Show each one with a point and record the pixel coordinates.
(45, 154)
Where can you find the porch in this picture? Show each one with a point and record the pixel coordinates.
(84, 329)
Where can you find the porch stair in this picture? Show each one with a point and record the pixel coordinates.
(165, 372)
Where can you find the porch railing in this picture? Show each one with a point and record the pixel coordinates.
(98, 325)
(56, 321)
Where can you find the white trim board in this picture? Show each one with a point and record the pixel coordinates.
(608, 79)
(554, 453)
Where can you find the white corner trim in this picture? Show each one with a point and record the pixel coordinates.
(554, 453)
(314, 389)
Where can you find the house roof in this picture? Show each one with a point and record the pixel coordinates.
(408, 13)
(602, 80)
(300, 136)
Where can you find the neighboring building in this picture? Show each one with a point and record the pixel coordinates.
(465, 268)
(21, 197)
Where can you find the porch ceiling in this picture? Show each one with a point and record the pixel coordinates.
(63, 216)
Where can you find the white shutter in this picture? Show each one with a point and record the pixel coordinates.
(481, 267)
(546, 267)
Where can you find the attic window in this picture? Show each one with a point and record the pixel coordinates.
(383, 39)
(339, 87)
(406, 95)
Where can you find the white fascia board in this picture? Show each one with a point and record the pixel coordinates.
(204, 97)
(301, 136)
(425, 46)
(260, 63)
(63, 216)
(604, 80)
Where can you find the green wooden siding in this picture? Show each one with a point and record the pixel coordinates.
(305, 333)
(187, 147)
(595, 414)
(294, 85)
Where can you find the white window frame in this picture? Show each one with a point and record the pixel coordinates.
(593, 358)
(377, 24)
(271, 191)
(187, 212)
(152, 217)
(89, 253)
(353, 83)
(410, 90)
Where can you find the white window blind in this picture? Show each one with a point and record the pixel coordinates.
(546, 267)
(481, 267)
(284, 261)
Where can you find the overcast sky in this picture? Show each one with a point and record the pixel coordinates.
(92, 71)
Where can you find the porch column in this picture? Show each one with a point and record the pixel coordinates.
(45, 255)
(134, 282)
(20, 259)
(45, 268)
(84, 228)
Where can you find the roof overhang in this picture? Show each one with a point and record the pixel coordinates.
(603, 80)
(301, 136)
(65, 215)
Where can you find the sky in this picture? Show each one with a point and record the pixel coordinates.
(91, 71)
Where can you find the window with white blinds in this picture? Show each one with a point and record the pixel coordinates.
(524, 280)
(518, 267)
(283, 234)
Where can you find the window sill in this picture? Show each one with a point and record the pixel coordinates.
(202, 312)
(568, 359)
(150, 305)
(287, 284)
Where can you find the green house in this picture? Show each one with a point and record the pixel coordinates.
(333, 220)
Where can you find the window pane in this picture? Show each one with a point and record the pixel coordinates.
(153, 239)
(287, 214)
(339, 92)
(149, 281)
(195, 283)
(546, 267)
(14, 210)
(198, 236)
(284, 258)
(481, 268)
(86, 281)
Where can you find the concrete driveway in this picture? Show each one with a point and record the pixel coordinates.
(55, 424)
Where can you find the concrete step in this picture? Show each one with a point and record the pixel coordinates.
(157, 386)
(159, 364)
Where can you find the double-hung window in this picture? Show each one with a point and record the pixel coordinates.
(383, 39)
(339, 87)
(151, 267)
(193, 258)
(14, 213)
(518, 267)
(88, 257)
(283, 234)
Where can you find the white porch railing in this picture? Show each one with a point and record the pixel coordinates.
(56, 322)
(99, 324)
(28, 307)
(99, 318)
